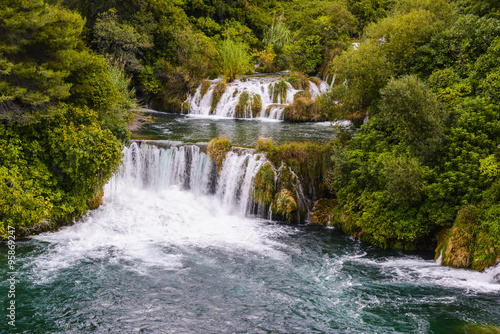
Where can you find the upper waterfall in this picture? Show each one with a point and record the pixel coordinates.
(259, 97)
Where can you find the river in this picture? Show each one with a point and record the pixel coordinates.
(172, 250)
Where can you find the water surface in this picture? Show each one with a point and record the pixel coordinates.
(199, 129)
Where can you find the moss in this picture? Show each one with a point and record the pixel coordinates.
(265, 144)
(310, 161)
(217, 149)
(323, 211)
(248, 103)
(256, 105)
(241, 106)
(303, 109)
(295, 82)
(96, 201)
(316, 81)
(457, 246)
(235, 93)
(485, 253)
(302, 94)
(285, 204)
(299, 80)
(205, 85)
(264, 185)
(278, 92)
(219, 90)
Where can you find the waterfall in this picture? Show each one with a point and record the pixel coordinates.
(240, 96)
(187, 167)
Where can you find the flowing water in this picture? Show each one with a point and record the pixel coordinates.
(177, 247)
(272, 103)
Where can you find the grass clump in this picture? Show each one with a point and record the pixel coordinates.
(219, 90)
(217, 149)
(315, 81)
(242, 104)
(299, 80)
(278, 91)
(303, 109)
(256, 105)
(205, 85)
(264, 185)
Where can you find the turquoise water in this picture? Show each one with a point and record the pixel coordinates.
(194, 129)
(165, 259)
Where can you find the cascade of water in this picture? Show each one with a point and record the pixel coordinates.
(236, 179)
(147, 166)
(233, 104)
(152, 167)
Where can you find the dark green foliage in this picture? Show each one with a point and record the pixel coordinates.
(360, 74)
(55, 157)
(487, 8)
(457, 46)
(38, 48)
(368, 11)
(50, 169)
(413, 114)
(120, 40)
(319, 26)
(91, 83)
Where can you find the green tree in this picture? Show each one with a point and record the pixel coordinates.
(234, 59)
(487, 8)
(368, 11)
(328, 29)
(402, 34)
(277, 34)
(119, 40)
(413, 113)
(360, 73)
(37, 51)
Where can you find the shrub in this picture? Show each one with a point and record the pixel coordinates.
(217, 149)
(233, 59)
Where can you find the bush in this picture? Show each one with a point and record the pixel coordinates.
(217, 149)
(51, 169)
(233, 59)
(410, 109)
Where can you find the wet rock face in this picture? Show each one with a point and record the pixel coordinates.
(322, 212)
(285, 204)
(496, 278)
(457, 245)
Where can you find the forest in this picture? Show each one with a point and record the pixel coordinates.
(419, 80)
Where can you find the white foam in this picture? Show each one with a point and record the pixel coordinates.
(415, 270)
